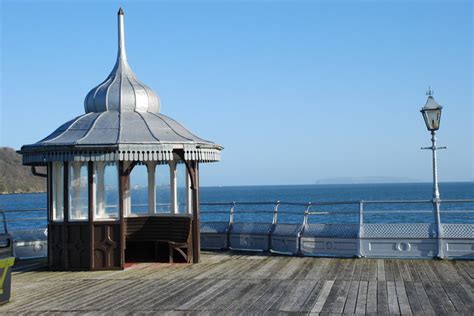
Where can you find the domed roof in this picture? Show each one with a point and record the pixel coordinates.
(128, 127)
(122, 91)
(122, 122)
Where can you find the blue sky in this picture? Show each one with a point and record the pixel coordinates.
(295, 91)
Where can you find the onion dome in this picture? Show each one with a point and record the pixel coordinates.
(122, 122)
(122, 91)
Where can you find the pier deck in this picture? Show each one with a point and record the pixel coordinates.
(235, 283)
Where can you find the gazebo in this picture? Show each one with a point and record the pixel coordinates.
(92, 224)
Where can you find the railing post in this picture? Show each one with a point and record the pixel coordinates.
(361, 228)
(274, 223)
(4, 220)
(231, 222)
(305, 223)
(275, 213)
(306, 214)
(231, 215)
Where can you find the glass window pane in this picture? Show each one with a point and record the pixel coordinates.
(58, 191)
(139, 190)
(106, 190)
(78, 191)
(162, 188)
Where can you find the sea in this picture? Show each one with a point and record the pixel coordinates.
(257, 204)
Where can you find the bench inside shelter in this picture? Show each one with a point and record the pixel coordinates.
(160, 238)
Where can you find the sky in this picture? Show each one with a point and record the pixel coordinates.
(295, 91)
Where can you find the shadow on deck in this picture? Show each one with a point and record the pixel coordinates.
(241, 283)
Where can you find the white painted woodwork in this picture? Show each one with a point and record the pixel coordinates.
(173, 188)
(126, 194)
(189, 202)
(100, 190)
(58, 191)
(151, 168)
(76, 186)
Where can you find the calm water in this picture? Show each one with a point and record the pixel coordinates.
(296, 193)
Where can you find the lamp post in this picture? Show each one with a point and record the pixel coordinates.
(432, 115)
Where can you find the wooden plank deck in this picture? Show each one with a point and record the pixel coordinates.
(235, 283)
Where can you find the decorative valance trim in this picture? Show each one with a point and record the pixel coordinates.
(125, 153)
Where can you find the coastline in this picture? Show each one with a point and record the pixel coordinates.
(22, 192)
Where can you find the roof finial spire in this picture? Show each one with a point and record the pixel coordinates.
(429, 92)
(121, 37)
(122, 91)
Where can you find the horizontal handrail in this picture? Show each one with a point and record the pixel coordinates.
(332, 213)
(322, 203)
(269, 211)
(397, 201)
(319, 203)
(456, 211)
(334, 203)
(296, 212)
(214, 212)
(458, 201)
(255, 203)
(218, 203)
(24, 210)
(397, 211)
(23, 219)
(305, 212)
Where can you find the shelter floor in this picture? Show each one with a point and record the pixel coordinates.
(237, 283)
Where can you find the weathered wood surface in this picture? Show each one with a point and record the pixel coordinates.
(236, 283)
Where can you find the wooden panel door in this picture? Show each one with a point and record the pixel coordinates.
(107, 246)
(57, 246)
(78, 246)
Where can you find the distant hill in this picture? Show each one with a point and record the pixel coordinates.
(366, 180)
(16, 178)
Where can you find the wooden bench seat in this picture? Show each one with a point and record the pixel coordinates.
(148, 233)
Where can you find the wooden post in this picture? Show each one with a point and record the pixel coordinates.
(122, 186)
(90, 187)
(100, 189)
(193, 171)
(76, 203)
(57, 194)
(50, 211)
(196, 224)
(151, 166)
(65, 214)
(189, 201)
(49, 188)
(173, 187)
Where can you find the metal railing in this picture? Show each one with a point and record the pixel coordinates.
(358, 213)
(307, 209)
(361, 211)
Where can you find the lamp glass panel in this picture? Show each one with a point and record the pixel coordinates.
(78, 192)
(432, 119)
